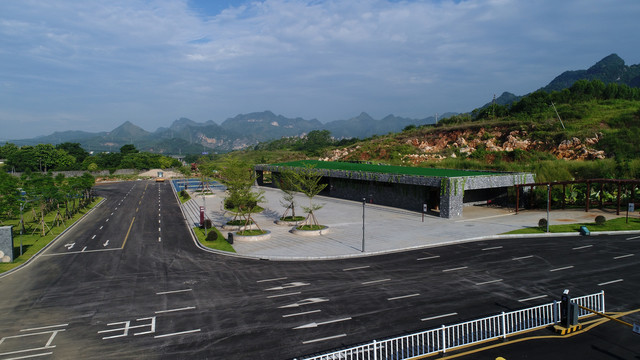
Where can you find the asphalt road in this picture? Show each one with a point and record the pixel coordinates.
(128, 282)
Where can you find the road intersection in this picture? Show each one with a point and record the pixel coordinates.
(129, 282)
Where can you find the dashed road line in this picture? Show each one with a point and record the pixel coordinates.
(301, 313)
(533, 298)
(175, 310)
(562, 268)
(375, 281)
(357, 268)
(324, 338)
(623, 256)
(44, 327)
(428, 257)
(402, 297)
(610, 282)
(439, 316)
(581, 247)
(177, 333)
(633, 238)
(522, 257)
(281, 295)
(274, 279)
(173, 291)
(455, 269)
(492, 248)
(315, 325)
(488, 282)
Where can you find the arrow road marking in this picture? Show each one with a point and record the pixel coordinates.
(106, 243)
(315, 325)
(69, 246)
(304, 302)
(287, 286)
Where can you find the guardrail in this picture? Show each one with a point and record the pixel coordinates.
(467, 333)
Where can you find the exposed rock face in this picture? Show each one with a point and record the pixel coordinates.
(433, 145)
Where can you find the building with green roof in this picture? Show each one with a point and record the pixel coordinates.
(437, 191)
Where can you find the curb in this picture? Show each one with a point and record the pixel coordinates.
(33, 258)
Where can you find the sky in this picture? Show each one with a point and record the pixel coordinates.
(92, 65)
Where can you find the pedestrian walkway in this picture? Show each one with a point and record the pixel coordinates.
(386, 229)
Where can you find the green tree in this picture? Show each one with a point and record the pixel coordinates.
(128, 149)
(239, 178)
(286, 181)
(309, 182)
(9, 196)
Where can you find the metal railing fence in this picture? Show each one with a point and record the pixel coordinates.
(450, 337)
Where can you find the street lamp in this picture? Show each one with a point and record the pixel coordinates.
(364, 201)
(548, 204)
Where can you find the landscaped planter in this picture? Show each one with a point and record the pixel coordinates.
(323, 231)
(291, 222)
(239, 227)
(265, 236)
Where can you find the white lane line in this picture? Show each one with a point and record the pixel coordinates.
(324, 338)
(522, 257)
(177, 333)
(581, 247)
(489, 282)
(175, 310)
(111, 214)
(44, 327)
(106, 243)
(101, 227)
(274, 279)
(303, 302)
(173, 291)
(159, 229)
(315, 325)
(280, 295)
(93, 237)
(78, 252)
(562, 268)
(533, 298)
(159, 239)
(428, 257)
(455, 269)
(375, 281)
(106, 220)
(356, 268)
(482, 218)
(402, 297)
(29, 356)
(610, 282)
(492, 248)
(84, 248)
(439, 316)
(633, 238)
(623, 256)
(301, 313)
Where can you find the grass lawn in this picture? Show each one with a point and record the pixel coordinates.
(183, 199)
(32, 243)
(219, 244)
(610, 225)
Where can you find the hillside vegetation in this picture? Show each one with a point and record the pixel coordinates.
(589, 130)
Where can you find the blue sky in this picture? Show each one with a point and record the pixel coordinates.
(92, 65)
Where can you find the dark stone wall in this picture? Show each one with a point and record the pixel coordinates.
(410, 197)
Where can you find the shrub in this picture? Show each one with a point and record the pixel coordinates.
(212, 236)
(600, 220)
(184, 194)
(207, 224)
(542, 223)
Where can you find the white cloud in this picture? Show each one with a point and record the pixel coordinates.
(317, 59)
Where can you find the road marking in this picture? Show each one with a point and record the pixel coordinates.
(303, 302)
(492, 248)
(439, 316)
(562, 268)
(93, 237)
(302, 313)
(128, 231)
(623, 256)
(106, 220)
(69, 246)
(30, 356)
(455, 269)
(375, 281)
(159, 230)
(323, 339)
(177, 333)
(159, 239)
(581, 247)
(127, 327)
(522, 257)
(533, 298)
(488, 282)
(287, 286)
(84, 248)
(402, 297)
(175, 310)
(315, 325)
(429, 257)
(610, 282)
(111, 214)
(101, 227)
(274, 279)
(357, 268)
(158, 221)
(280, 295)
(78, 252)
(44, 327)
(173, 291)
(633, 238)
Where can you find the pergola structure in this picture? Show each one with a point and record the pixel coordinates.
(589, 183)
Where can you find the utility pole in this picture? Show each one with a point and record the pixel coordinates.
(364, 201)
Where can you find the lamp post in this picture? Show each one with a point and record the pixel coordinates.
(364, 201)
(548, 204)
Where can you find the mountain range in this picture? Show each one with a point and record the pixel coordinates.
(245, 130)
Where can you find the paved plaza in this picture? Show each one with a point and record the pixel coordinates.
(387, 229)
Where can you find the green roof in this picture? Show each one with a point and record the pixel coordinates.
(386, 169)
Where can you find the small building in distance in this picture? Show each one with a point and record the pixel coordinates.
(436, 191)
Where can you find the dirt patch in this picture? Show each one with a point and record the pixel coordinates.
(165, 173)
